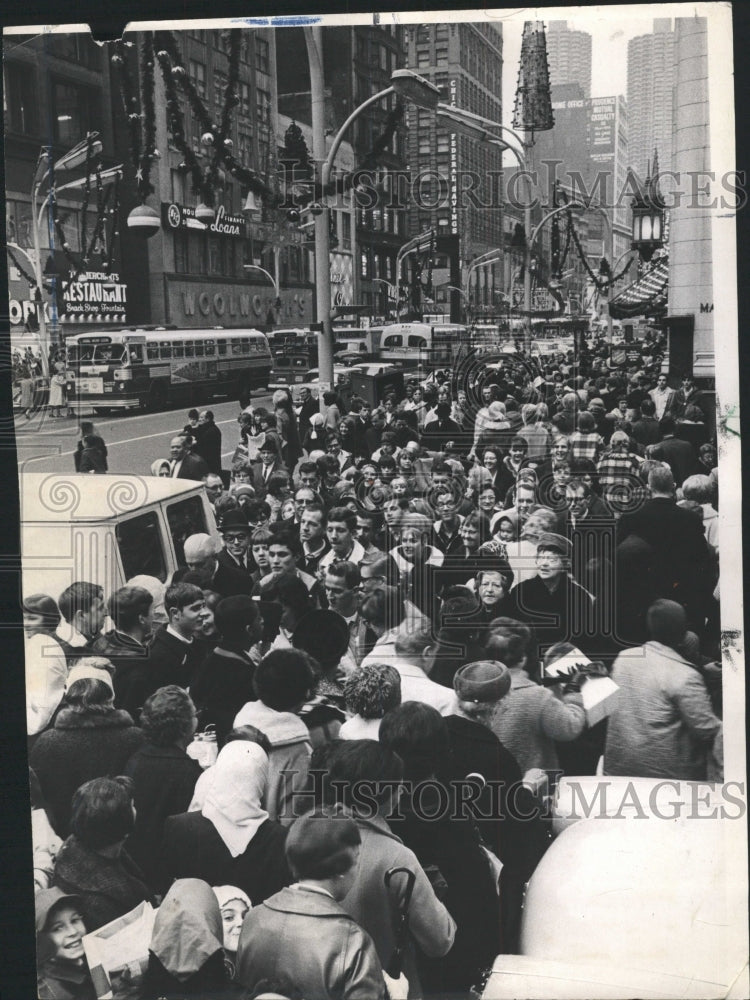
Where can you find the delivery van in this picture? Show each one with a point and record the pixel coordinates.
(106, 529)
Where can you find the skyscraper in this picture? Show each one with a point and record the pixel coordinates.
(569, 56)
(465, 60)
(651, 78)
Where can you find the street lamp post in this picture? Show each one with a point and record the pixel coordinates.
(406, 84)
(86, 149)
(257, 267)
(390, 297)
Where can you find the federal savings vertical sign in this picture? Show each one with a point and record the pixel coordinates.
(95, 297)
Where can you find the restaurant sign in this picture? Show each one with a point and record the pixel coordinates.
(95, 296)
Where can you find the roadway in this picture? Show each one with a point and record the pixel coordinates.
(133, 442)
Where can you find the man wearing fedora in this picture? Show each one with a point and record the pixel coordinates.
(236, 533)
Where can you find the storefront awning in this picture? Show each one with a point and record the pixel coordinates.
(646, 295)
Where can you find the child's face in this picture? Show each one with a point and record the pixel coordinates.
(66, 930)
(242, 476)
(232, 914)
(505, 532)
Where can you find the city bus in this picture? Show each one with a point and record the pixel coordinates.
(149, 368)
(294, 355)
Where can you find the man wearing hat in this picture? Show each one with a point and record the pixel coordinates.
(236, 533)
(275, 947)
(557, 607)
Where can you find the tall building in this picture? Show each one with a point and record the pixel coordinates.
(357, 63)
(589, 145)
(465, 60)
(196, 273)
(57, 88)
(651, 89)
(569, 56)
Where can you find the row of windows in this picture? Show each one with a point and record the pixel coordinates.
(220, 40)
(177, 350)
(75, 109)
(198, 253)
(262, 108)
(376, 265)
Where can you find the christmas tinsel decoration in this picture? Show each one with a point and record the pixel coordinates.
(129, 103)
(57, 222)
(145, 187)
(86, 192)
(532, 111)
(114, 232)
(601, 282)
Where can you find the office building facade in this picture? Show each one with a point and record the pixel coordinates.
(569, 56)
(651, 92)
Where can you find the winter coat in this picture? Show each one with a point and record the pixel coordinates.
(170, 661)
(81, 746)
(128, 657)
(61, 980)
(373, 906)
(305, 940)
(290, 752)
(163, 784)
(208, 446)
(222, 685)
(192, 848)
(663, 724)
(107, 887)
(46, 674)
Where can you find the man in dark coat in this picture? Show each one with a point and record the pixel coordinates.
(236, 532)
(208, 444)
(174, 655)
(184, 464)
(681, 556)
(646, 430)
(201, 559)
(270, 462)
(307, 406)
(679, 455)
(126, 646)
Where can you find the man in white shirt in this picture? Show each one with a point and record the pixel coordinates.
(342, 585)
(663, 397)
(415, 655)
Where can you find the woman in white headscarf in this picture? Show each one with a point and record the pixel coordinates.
(186, 957)
(231, 840)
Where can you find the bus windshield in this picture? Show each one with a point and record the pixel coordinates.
(102, 354)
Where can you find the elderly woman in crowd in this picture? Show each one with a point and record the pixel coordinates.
(90, 739)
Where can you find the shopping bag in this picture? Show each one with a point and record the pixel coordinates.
(117, 953)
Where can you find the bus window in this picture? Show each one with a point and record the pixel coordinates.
(178, 349)
(210, 348)
(185, 518)
(394, 340)
(417, 342)
(72, 354)
(152, 351)
(165, 351)
(221, 348)
(140, 544)
(135, 354)
(236, 347)
(199, 348)
(245, 346)
(189, 348)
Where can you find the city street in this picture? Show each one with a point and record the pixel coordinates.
(133, 442)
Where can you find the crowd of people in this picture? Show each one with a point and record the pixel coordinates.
(326, 747)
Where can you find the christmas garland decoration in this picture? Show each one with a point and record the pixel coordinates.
(129, 102)
(59, 229)
(114, 232)
(141, 126)
(86, 192)
(601, 284)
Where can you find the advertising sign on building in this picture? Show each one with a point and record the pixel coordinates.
(176, 216)
(221, 303)
(342, 283)
(96, 297)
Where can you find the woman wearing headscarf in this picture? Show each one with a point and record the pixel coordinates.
(161, 467)
(231, 840)
(315, 438)
(234, 905)
(186, 957)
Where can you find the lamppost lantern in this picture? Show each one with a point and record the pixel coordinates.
(647, 207)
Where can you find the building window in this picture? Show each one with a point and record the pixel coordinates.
(441, 54)
(178, 186)
(423, 145)
(263, 106)
(76, 48)
(197, 72)
(245, 148)
(441, 32)
(214, 256)
(180, 252)
(264, 154)
(423, 58)
(262, 63)
(443, 142)
(364, 264)
(20, 99)
(197, 34)
(197, 263)
(75, 112)
(245, 108)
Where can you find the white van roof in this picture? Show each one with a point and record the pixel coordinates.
(47, 497)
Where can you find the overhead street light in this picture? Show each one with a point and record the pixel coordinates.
(76, 157)
(416, 89)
